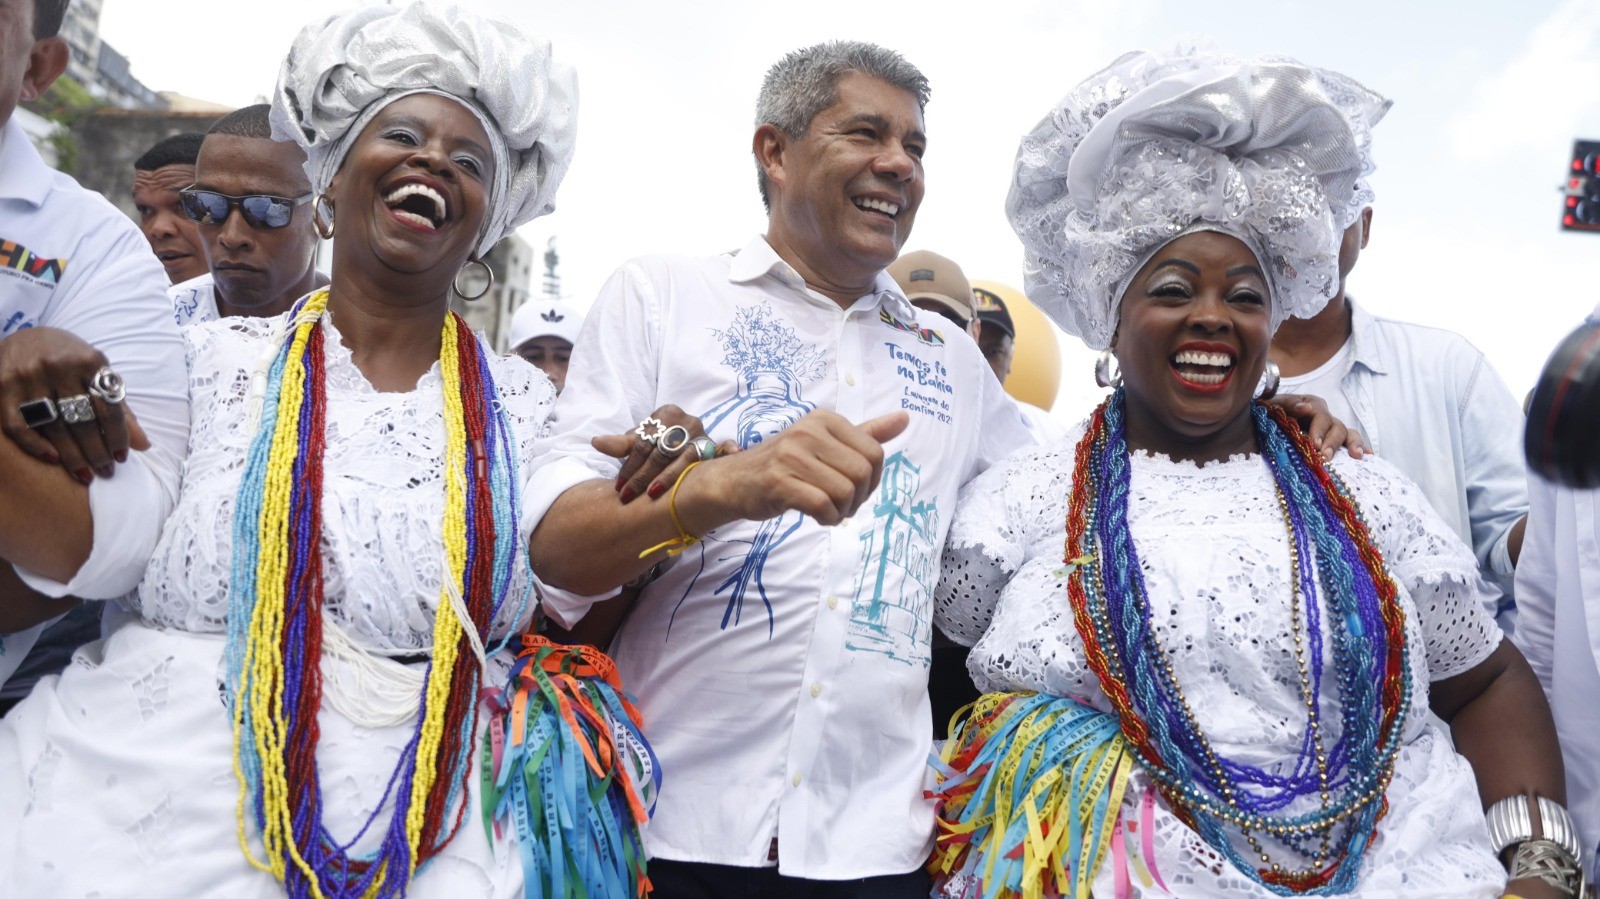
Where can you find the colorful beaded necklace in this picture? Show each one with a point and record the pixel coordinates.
(275, 622)
(1370, 661)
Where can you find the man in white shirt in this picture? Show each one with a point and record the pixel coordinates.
(781, 661)
(1426, 400)
(1558, 628)
(79, 289)
(251, 204)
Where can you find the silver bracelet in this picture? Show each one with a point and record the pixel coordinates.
(1549, 862)
(1511, 821)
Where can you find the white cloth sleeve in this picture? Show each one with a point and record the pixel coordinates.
(1497, 497)
(986, 545)
(1427, 557)
(118, 303)
(611, 385)
(1536, 583)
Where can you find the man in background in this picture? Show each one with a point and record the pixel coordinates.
(158, 175)
(250, 204)
(543, 332)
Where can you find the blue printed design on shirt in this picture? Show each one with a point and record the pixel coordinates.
(892, 612)
(16, 322)
(772, 365)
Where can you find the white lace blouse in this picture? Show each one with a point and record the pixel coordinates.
(1214, 549)
(383, 493)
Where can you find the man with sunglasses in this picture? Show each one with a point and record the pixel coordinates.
(251, 202)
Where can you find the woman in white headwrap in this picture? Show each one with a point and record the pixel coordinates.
(293, 709)
(1210, 655)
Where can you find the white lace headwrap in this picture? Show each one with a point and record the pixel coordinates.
(1270, 151)
(341, 71)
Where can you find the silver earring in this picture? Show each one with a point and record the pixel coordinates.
(1104, 374)
(323, 223)
(488, 281)
(1273, 377)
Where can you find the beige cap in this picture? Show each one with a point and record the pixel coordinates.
(929, 276)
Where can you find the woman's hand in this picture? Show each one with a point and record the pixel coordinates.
(1327, 432)
(645, 463)
(57, 366)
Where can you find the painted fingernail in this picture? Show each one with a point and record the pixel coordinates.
(620, 481)
(122, 456)
(84, 475)
(52, 458)
(657, 489)
(105, 471)
(628, 494)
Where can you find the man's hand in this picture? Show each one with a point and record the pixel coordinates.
(52, 364)
(822, 466)
(1327, 432)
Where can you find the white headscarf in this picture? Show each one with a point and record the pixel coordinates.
(1155, 147)
(341, 71)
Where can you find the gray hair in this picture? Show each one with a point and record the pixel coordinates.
(805, 82)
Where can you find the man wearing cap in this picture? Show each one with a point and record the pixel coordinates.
(544, 332)
(937, 284)
(997, 339)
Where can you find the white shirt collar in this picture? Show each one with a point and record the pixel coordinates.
(23, 174)
(758, 258)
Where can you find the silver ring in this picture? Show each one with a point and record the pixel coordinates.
(108, 386)
(649, 430)
(76, 410)
(673, 440)
(38, 413)
(705, 447)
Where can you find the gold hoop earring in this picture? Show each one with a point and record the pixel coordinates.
(323, 223)
(1104, 375)
(455, 283)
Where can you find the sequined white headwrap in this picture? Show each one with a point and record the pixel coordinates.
(1144, 151)
(340, 72)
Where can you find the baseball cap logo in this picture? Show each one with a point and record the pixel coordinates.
(922, 274)
(550, 315)
(986, 301)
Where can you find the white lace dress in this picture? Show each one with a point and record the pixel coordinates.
(117, 779)
(1215, 553)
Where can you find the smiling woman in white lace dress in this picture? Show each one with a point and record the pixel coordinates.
(293, 709)
(1210, 655)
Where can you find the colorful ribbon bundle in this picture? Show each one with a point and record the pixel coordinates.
(1329, 547)
(567, 767)
(1030, 797)
(275, 623)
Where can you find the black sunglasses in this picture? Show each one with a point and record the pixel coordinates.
(259, 210)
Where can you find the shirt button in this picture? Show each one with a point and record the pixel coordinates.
(850, 380)
(797, 778)
(816, 690)
(833, 602)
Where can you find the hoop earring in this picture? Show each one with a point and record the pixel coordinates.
(1273, 378)
(323, 223)
(489, 272)
(1104, 375)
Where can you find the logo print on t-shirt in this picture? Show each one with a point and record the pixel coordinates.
(14, 257)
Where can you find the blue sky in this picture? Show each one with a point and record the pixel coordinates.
(1488, 97)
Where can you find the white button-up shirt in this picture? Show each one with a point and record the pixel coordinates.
(70, 260)
(1429, 402)
(1558, 629)
(781, 666)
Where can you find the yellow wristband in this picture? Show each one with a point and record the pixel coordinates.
(684, 540)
